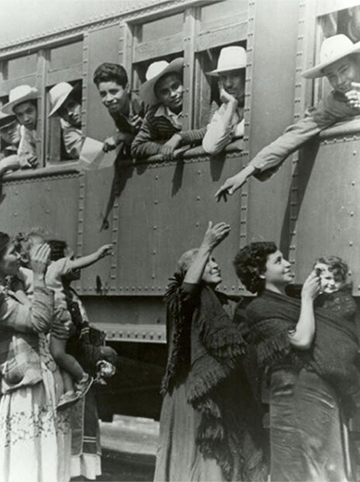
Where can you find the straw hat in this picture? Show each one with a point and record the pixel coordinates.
(18, 95)
(230, 58)
(6, 120)
(59, 93)
(332, 49)
(155, 71)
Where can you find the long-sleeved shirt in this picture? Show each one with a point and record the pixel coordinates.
(19, 344)
(327, 112)
(157, 128)
(73, 139)
(27, 145)
(218, 136)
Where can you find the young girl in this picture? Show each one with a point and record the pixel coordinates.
(23, 287)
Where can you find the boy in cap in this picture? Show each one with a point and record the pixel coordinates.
(65, 101)
(339, 63)
(23, 104)
(161, 131)
(227, 122)
(126, 108)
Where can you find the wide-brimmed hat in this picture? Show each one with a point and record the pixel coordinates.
(230, 58)
(6, 119)
(332, 49)
(155, 71)
(18, 95)
(59, 93)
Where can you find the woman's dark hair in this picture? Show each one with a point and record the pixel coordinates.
(108, 72)
(57, 249)
(250, 263)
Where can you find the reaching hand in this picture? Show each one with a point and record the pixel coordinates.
(40, 256)
(231, 185)
(353, 95)
(312, 286)
(215, 234)
(105, 250)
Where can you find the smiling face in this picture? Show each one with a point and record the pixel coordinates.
(234, 84)
(278, 271)
(169, 91)
(71, 112)
(11, 133)
(114, 96)
(212, 273)
(10, 261)
(342, 73)
(329, 282)
(26, 114)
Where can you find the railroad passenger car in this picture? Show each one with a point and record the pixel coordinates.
(162, 208)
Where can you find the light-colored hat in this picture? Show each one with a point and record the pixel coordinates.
(18, 95)
(155, 71)
(230, 58)
(58, 95)
(332, 49)
(6, 119)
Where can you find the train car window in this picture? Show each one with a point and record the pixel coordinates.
(226, 11)
(20, 67)
(345, 21)
(64, 129)
(163, 27)
(63, 68)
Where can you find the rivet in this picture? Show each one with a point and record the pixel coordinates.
(197, 225)
(351, 243)
(352, 213)
(156, 202)
(155, 228)
(198, 198)
(354, 153)
(353, 183)
(153, 277)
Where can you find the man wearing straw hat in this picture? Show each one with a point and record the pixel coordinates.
(161, 131)
(340, 64)
(10, 139)
(227, 122)
(23, 104)
(65, 101)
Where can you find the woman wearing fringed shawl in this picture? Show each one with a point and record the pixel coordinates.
(307, 354)
(207, 432)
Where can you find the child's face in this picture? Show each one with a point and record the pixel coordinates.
(328, 282)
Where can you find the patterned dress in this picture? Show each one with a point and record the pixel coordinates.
(35, 440)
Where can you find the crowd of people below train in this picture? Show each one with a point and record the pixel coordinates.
(254, 386)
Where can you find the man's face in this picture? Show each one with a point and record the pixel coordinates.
(26, 114)
(355, 17)
(169, 90)
(71, 112)
(234, 84)
(11, 133)
(342, 73)
(114, 96)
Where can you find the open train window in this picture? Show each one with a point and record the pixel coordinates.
(63, 79)
(345, 21)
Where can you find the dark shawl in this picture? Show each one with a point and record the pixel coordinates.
(206, 348)
(334, 350)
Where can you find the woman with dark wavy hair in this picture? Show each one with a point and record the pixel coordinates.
(207, 432)
(307, 366)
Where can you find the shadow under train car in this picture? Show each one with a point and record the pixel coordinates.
(134, 390)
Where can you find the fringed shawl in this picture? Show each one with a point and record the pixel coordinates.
(205, 351)
(334, 350)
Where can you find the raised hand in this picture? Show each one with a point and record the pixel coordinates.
(353, 95)
(39, 258)
(312, 286)
(215, 234)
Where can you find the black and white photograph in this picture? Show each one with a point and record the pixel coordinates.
(180, 240)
